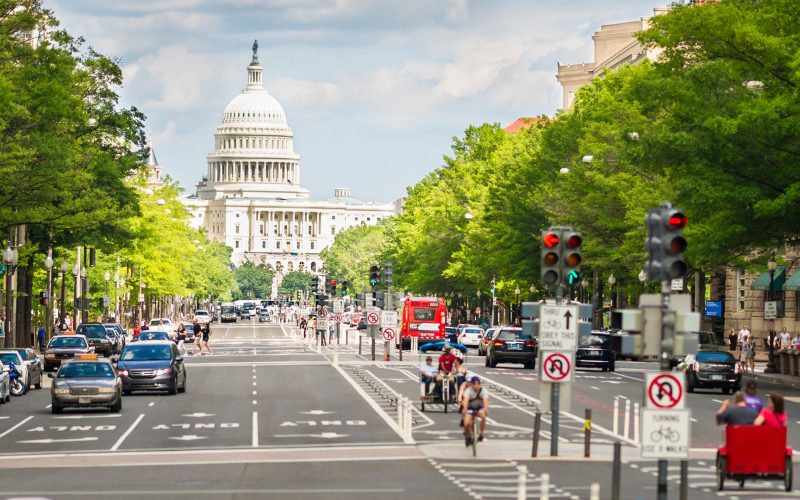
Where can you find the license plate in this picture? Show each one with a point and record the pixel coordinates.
(594, 353)
(717, 377)
(514, 347)
(84, 400)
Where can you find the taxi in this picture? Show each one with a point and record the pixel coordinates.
(86, 382)
(64, 347)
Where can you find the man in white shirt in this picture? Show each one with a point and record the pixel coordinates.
(427, 374)
(786, 339)
(744, 334)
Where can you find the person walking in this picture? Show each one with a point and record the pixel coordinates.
(749, 349)
(206, 331)
(303, 326)
(732, 339)
(181, 337)
(785, 339)
(40, 334)
(198, 343)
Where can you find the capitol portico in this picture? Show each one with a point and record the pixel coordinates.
(251, 198)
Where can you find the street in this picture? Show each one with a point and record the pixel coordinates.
(269, 415)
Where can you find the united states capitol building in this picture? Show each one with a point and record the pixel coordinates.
(251, 198)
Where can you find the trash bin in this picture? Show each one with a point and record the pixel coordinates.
(784, 362)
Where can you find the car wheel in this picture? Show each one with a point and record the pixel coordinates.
(116, 407)
(173, 386)
(182, 388)
(126, 392)
(612, 368)
(56, 409)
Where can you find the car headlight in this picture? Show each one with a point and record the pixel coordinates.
(165, 371)
(107, 390)
(61, 390)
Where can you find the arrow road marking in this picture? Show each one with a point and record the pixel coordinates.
(188, 437)
(50, 441)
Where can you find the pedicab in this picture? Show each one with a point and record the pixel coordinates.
(754, 452)
(443, 393)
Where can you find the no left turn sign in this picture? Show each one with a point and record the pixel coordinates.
(665, 391)
(556, 367)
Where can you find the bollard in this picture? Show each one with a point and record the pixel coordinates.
(636, 421)
(684, 491)
(346, 336)
(626, 424)
(544, 492)
(359, 344)
(594, 491)
(587, 432)
(537, 425)
(522, 482)
(616, 470)
(400, 413)
(409, 424)
(615, 423)
(335, 358)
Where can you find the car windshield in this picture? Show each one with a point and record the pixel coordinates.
(111, 332)
(147, 353)
(201, 313)
(68, 342)
(189, 327)
(94, 331)
(86, 370)
(148, 335)
(714, 357)
(450, 329)
(10, 357)
(424, 314)
(593, 341)
(513, 335)
(23, 353)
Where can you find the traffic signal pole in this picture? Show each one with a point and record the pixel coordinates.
(555, 394)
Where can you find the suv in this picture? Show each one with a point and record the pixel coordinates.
(510, 345)
(155, 365)
(98, 337)
(202, 316)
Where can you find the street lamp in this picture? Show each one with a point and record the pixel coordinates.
(469, 216)
(76, 272)
(84, 294)
(64, 269)
(585, 285)
(772, 266)
(612, 280)
(107, 277)
(8, 259)
(48, 264)
(517, 291)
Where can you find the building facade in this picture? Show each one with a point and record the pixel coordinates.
(251, 198)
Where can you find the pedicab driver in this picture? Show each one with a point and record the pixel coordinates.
(446, 362)
(475, 404)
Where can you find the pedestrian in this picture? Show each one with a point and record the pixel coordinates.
(774, 414)
(303, 325)
(181, 338)
(198, 343)
(732, 338)
(738, 414)
(796, 340)
(786, 339)
(751, 398)
(772, 341)
(206, 331)
(743, 334)
(40, 334)
(749, 349)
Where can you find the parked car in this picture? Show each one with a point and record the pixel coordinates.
(34, 366)
(485, 341)
(154, 365)
(11, 356)
(510, 345)
(594, 351)
(713, 370)
(5, 385)
(120, 334)
(471, 336)
(202, 316)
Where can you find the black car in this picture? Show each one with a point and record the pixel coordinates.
(713, 370)
(154, 365)
(594, 351)
(510, 345)
(98, 337)
(451, 334)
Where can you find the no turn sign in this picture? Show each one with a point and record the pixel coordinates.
(337, 318)
(373, 318)
(665, 391)
(388, 334)
(556, 367)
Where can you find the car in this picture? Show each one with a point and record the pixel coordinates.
(510, 345)
(263, 316)
(33, 365)
(189, 332)
(115, 341)
(713, 370)
(471, 336)
(487, 337)
(451, 334)
(120, 333)
(707, 341)
(98, 338)
(86, 382)
(594, 351)
(149, 335)
(164, 325)
(202, 316)
(5, 385)
(64, 347)
(251, 312)
(461, 326)
(362, 324)
(8, 356)
(154, 365)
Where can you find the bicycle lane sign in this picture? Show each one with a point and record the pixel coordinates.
(666, 434)
(665, 391)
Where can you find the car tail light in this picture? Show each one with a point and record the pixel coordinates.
(529, 343)
(696, 366)
(499, 342)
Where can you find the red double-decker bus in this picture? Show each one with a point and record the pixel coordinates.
(424, 318)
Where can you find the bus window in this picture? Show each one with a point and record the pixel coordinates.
(424, 314)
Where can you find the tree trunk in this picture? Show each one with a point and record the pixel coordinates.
(19, 317)
(29, 304)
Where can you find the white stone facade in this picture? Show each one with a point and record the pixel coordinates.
(251, 198)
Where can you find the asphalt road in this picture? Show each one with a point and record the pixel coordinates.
(270, 415)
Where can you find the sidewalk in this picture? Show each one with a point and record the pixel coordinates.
(791, 381)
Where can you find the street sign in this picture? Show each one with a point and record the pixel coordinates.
(558, 328)
(556, 367)
(388, 334)
(338, 306)
(770, 309)
(373, 317)
(665, 434)
(665, 391)
(388, 319)
(676, 285)
(337, 318)
(713, 309)
(322, 312)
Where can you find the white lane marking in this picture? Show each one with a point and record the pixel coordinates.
(4, 417)
(254, 376)
(255, 429)
(628, 376)
(127, 432)
(717, 401)
(263, 492)
(694, 420)
(80, 417)
(255, 393)
(255, 402)
(595, 388)
(254, 384)
(48, 407)
(9, 431)
(51, 441)
(152, 403)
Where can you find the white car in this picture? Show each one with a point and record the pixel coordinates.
(5, 385)
(155, 325)
(202, 316)
(471, 336)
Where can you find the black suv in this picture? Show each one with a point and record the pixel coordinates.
(510, 345)
(98, 337)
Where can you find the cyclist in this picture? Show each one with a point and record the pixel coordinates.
(475, 404)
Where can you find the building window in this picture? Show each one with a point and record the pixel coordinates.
(290, 266)
(333, 230)
(333, 217)
(236, 243)
(278, 245)
(740, 289)
(263, 244)
(237, 215)
(313, 267)
(312, 248)
(236, 229)
(368, 218)
(310, 229)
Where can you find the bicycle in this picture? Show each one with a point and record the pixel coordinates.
(667, 434)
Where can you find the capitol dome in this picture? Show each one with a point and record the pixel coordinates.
(255, 108)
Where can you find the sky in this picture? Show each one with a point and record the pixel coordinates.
(374, 90)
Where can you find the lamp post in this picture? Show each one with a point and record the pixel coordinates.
(8, 259)
(107, 277)
(612, 280)
(584, 286)
(61, 303)
(772, 266)
(48, 264)
(76, 272)
(480, 305)
(642, 281)
(517, 292)
(84, 294)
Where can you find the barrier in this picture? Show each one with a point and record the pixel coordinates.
(522, 482)
(630, 416)
(544, 487)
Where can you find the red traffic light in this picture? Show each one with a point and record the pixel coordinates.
(677, 220)
(551, 240)
(333, 282)
(574, 241)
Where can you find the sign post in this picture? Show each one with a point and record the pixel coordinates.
(373, 320)
(388, 324)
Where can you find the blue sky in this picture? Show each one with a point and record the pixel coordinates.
(373, 89)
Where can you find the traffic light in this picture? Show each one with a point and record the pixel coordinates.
(344, 288)
(571, 257)
(665, 243)
(380, 299)
(43, 298)
(327, 285)
(299, 295)
(387, 273)
(551, 250)
(494, 283)
(374, 276)
(334, 282)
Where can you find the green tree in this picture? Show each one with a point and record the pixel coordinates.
(294, 281)
(353, 251)
(253, 281)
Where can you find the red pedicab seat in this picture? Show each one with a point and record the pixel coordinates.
(754, 452)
